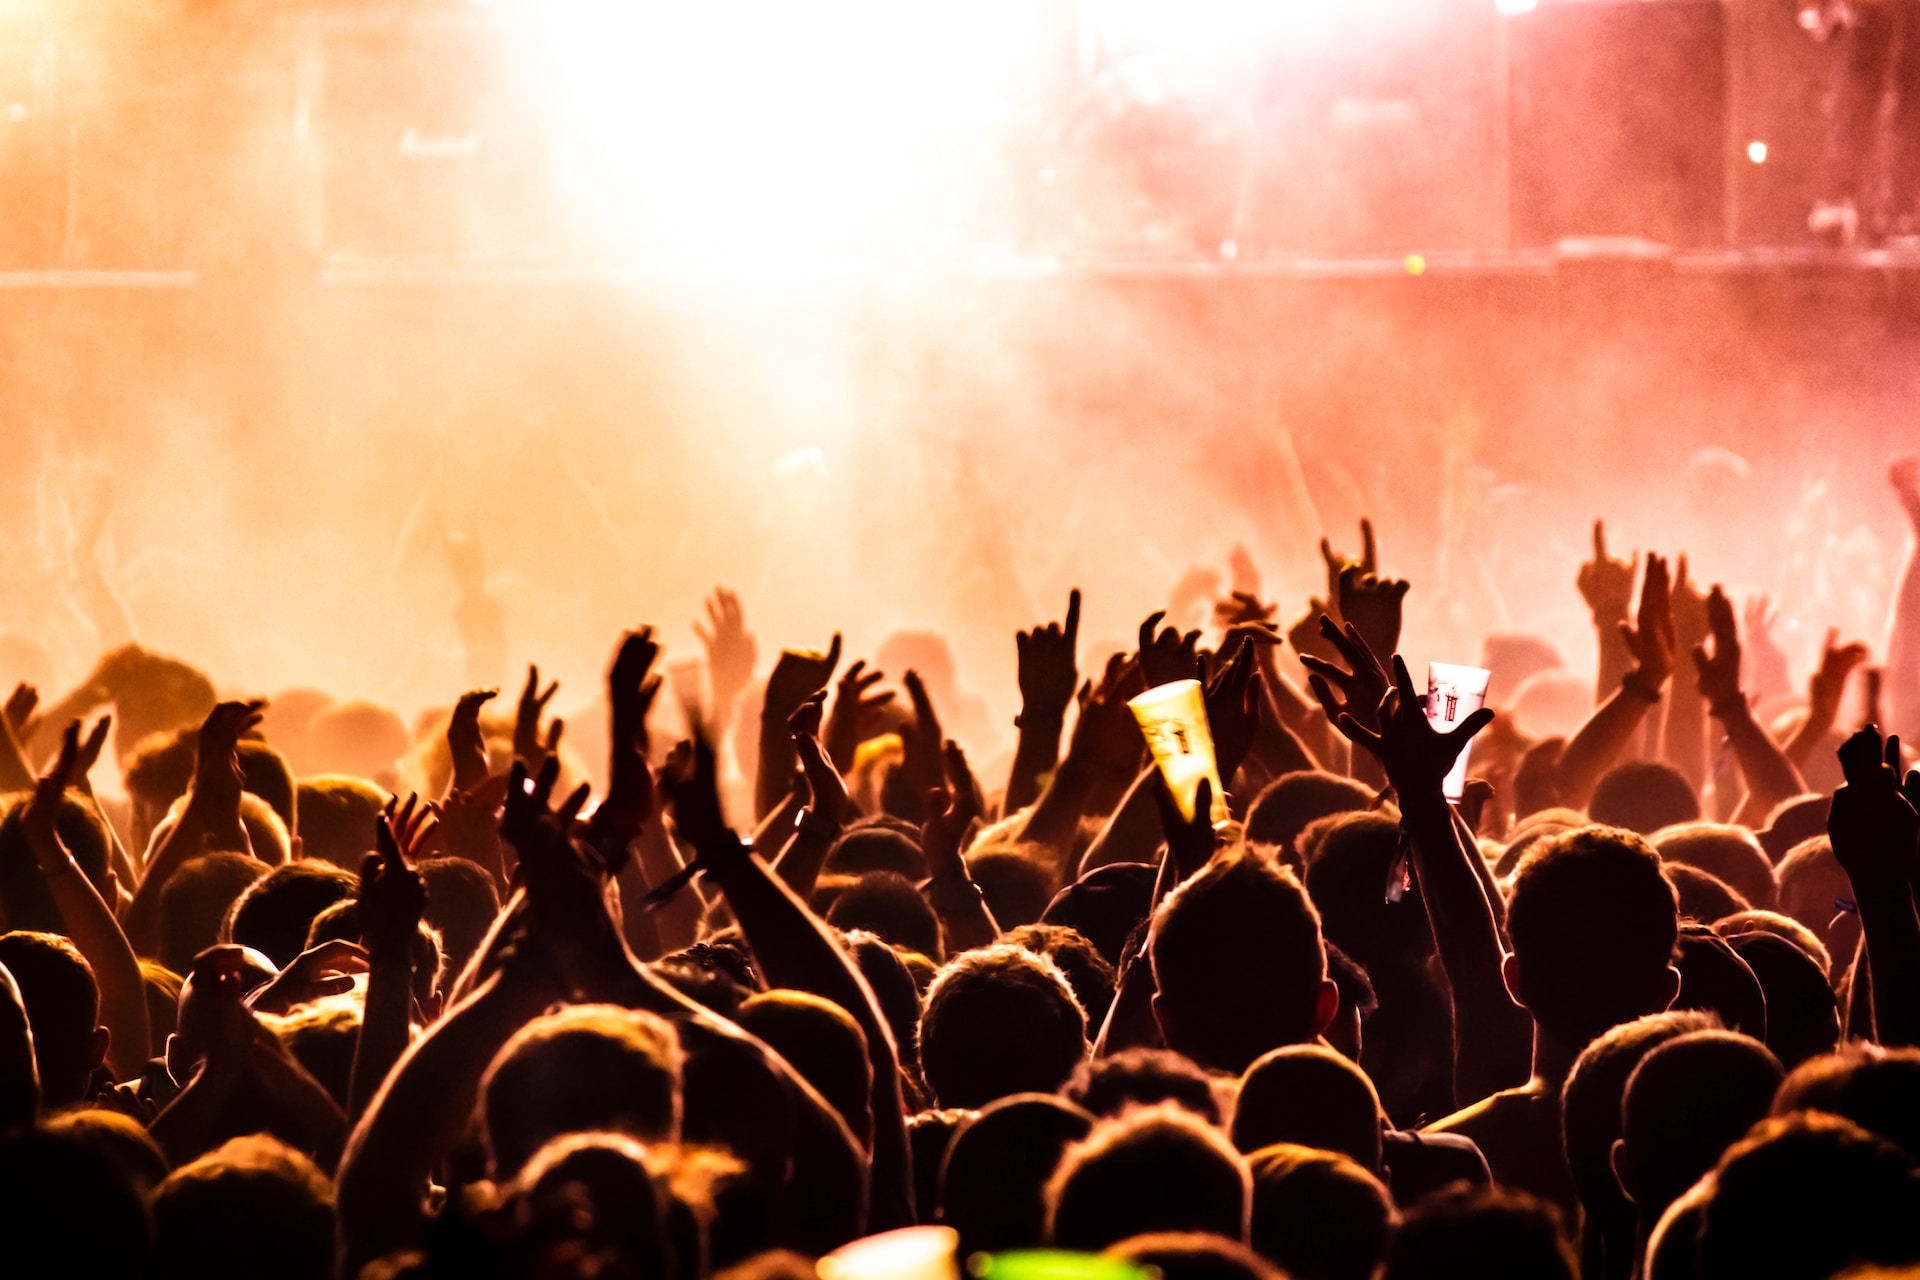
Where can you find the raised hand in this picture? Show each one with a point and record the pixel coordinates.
(922, 770)
(217, 779)
(826, 789)
(952, 809)
(797, 673)
(1190, 841)
(1691, 622)
(1828, 685)
(630, 801)
(1361, 683)
(1606, 584)
(38, 821)
(1047, 671)
(1766, 661)
(1719, 670)
(527, 745)
(1338, 563)
(19, 711)
(731, 648)
(566, 907)
(1415, 755)
(393, 896)
(469, 827)
(325, 969)
(466, 744)
(1106, 737)
(857, 714)
(1650, 638)
(1372, 605)
(1233, 699)
(1168, 656)
(1873, 824)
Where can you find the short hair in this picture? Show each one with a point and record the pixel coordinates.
(62, 1000)
(822, 1042)
(1016, 885)
(1793, 820)
(1742, 923)
(1479, 1231)
(223, 1216)
(160, 767)
(462, 903)
(1687, 1101)
(265, 773)
(1714, 977)
(1810, 879)
(1802, 1197)
(581, 1068)
(999, 1020)
(1347, 877)
(1803, 1016)
(886, 903)
(339, 814)
(1590, 1107)
(1877, 1089)
(120, 1137)
(1238, 961)
(1286, 806)
(870, 848)
(994, 1175)
(1307, 1095)
(1643, 796)
(322, 1035)
(1593, 924)
(1701, 895)
(1107, 1086)
(66, 1200)
(25, 902)
(1158, 1168)
(1086, 970)
(273, 914)
(195, 901)
(1317, 1214)
(1105, 905)
(894, 991)
(611, 1178)
(1727, 852)
(1193, 1255)
(929, 1136)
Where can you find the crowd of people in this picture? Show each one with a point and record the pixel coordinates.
(314, 990)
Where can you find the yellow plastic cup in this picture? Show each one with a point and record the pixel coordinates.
(1174, 719)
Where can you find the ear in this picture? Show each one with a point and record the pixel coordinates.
(173, 1054)
(1623, 1169)
(1163, 1018)
(1327, 1007)
(1510, 974)
(1670, 986)
(97, 1050)
(296, 850)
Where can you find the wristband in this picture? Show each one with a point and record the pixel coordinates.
(1640, 687)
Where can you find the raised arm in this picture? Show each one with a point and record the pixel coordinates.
(1684, 737)
(1103, 756)
(85, 916)
(796, 675)
(1770, 776)
(957, 900)
(1606, 584)
(1826, 689)
(393, 897)
(1605, 736)
(1048, 678)
(1874, 828)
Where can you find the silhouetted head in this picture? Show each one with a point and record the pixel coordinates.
(274, 913)
(1287, 805)
(1592, 922)
(1805, 1195)
(195, 900)
(461, 904)
(1016, 885)
(1744, 922)
(1792, 821)
(1687, 1101)
(894, 990)
(1481, 1232)
(993, 1181)
(886, 903)
(1877, 1089)
(1194, 1255)
(1703, 898)
(24, 900)
(1643, 796)
(824, 1044)
(358, 737)
(63, 1007)
(1714, 978)
(1309, 1096)
(121, 1138)
(1238, 964)
(1157, 1168)
(253, 1204)
(1318, 1215)
(999, 1020)
(1086, 970)
(68, 1203)
(586, 1067)
(1803, 1017)
(1727, 852)
(1108, 1085)
(603, 1187)
(1105, 905)
(1811, 880)
(338, 815)
(861, 850)
(1347, 872)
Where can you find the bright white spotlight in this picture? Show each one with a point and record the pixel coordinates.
(1516, 6)
(1757, 152)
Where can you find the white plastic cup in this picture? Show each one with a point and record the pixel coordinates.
(1174, 719)
(1453, 694)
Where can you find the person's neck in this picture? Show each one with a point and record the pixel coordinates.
(1552, 1059)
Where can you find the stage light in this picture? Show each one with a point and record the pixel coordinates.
(1757, 152)
(1511, 7)
(1416, 265)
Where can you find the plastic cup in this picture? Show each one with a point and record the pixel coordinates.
(1453, 694)
(1174, 719)
(911, 1253)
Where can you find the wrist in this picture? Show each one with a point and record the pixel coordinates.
(1730, 707)
(1036, 720)
(1643, 685)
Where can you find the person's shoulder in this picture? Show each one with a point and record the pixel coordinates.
(1489, 1110)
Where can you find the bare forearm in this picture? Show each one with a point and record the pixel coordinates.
(678, 922)
(384, 1026)
(1055, 820)
(1770, 776)
(1036, 756)
(1599, 743)
(123, 995)
(1684, 744)
(773, 779)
